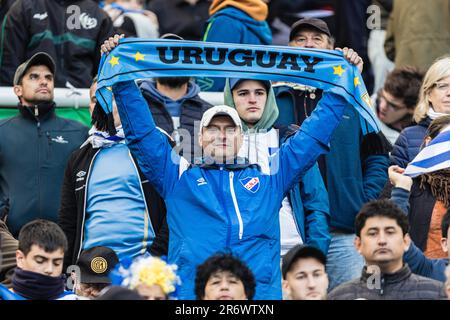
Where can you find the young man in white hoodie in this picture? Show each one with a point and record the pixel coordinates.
(304, 215)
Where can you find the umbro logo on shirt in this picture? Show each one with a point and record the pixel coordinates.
(201, 181)
(80, 175)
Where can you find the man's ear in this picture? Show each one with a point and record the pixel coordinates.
(20, 258)
(357, 244)
(407, 240)
(18, 90)
(286, 288)
(444, 245)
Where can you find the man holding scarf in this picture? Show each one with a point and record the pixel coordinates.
(225, 203)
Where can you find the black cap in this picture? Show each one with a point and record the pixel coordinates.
(40, 58)
(96, 263)
(309, 22)
(118, 293)
(301, 251)
(235, 81)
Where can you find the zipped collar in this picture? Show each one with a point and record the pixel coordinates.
(38, 112)
(389, 278)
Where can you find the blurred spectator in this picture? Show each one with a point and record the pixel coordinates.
(129, 18)
(235, 21)
(95, 266)
(224, 277)
(283, 13)
(447, 282)
(414, 257)
(382, 238)
(4, 7)
(304, 275)
(395, 102)
(8, 247)
(429, 200)
(35, 146)
(354, 171)
(176, 106)
(375, 47)
(101, 183)
(434, 102)
(73, 42)
(418, 32)
(352, 32)
(151, 277)
(304, 214)
(183, 17)
(118, 293)
(38, 275)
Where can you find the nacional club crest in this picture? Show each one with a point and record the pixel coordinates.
(250, 183)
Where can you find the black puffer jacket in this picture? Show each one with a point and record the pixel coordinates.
(401, 285)
(70, 31)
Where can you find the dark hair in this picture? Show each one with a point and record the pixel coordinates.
(404, 83)
(381, 208)
(43, 233)
(224, 262)
(437, 125)
(173, 82)
(445, 224)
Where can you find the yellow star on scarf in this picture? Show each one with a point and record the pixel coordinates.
(356, 82)
(138, 56)
(109, 88)
(338, 70)
(114, 61)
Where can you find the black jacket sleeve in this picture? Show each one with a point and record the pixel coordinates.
(14, 40)
(160, 245)
(67, 216)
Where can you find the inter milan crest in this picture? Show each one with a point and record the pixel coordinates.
(250, 183)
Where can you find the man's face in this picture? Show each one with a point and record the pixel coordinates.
(311, 38)
(306, 280)
(40, 261)
(439, 96)
(391, 109)
(153, 292)
(93, 101)
(221, 139)
(250, 99)
(382, 243)
(37, 86)
(445, 243)
(223, 285)
(88, 291)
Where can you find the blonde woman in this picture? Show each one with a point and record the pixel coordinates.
(434, 102)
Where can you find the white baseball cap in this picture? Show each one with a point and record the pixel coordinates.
(219, 111)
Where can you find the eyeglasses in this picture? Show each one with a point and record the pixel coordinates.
(442, 86)
(393, 106)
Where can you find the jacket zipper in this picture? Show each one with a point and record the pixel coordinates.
(236, 207)
(84, 204)
(227, 245)
(146, 213)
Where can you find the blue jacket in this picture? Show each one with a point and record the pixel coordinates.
(231, 25)
(414, 257)
(355, 170)
(223, 207)
(309, 201)
(408, 143)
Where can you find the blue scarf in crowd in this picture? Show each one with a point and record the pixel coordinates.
(324, 69)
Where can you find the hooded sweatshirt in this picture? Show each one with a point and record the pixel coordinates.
(260, 142)
(233, 24)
